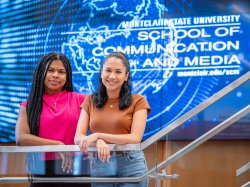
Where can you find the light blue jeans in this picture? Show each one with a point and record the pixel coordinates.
(126, 164)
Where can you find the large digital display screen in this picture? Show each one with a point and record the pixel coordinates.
(180, 52)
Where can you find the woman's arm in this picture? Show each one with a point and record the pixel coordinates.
(23, 136)
(82, 127)
(137, 130)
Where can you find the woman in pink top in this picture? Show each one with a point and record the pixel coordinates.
(49, 117)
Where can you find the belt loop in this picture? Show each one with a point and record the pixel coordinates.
(125, 154)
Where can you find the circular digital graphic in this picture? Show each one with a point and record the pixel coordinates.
(176, 62)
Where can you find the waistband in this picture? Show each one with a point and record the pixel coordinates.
(119, 153)
(115, 153)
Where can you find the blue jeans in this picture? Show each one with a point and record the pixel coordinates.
(126, 164)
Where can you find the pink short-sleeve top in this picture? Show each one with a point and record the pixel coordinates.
(59, 116)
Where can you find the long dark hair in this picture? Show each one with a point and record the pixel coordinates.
(35, 99)
(125, 97)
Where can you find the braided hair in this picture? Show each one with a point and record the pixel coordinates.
(125, 98)
(35, 98)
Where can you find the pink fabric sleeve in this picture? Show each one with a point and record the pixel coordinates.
(24, 103)
(82, 97)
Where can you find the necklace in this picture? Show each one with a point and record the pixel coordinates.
(55, 100)
(111, 104)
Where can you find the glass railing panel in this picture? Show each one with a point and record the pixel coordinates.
(213, 163)
(164, 175)
(221, 155)
(43, 164)
(152, 155)
(12, 164)
(207, 164)
(243, 175)
(156, 176)
(22, 166)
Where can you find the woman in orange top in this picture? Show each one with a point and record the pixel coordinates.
(114, 115)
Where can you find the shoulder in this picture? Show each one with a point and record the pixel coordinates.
(87, 103)
(88, 99)
(78, 96)
(138, 97)
(140, 102)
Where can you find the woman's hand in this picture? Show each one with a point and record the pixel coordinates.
(103, 150)
(66, 162)
(85, 143)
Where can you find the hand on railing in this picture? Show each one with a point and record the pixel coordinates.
(67, 162)
(86, 142)
(102, 147)
(103, 150)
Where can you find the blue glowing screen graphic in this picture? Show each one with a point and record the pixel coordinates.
(180, 52)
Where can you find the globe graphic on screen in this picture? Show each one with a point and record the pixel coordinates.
(98, 28)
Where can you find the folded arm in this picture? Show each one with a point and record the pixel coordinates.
(137, 130)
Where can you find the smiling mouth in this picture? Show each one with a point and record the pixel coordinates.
(111, 82)
(54, 82)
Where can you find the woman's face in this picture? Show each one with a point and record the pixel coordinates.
(56, 77)
(113, 75)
